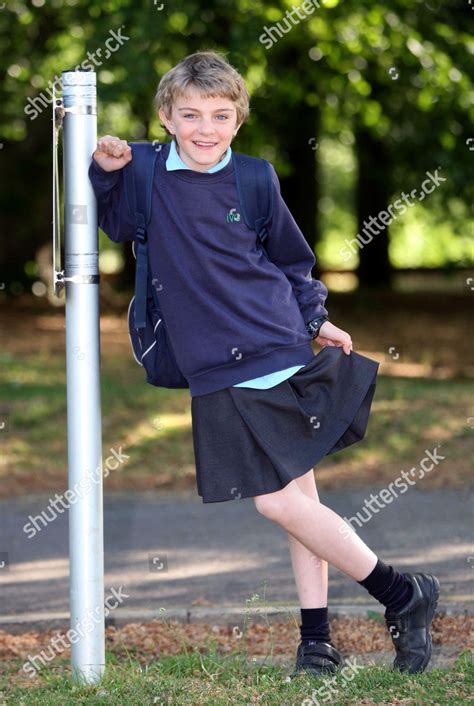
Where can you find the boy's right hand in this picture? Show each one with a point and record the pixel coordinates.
(330, 335)
(112, 153)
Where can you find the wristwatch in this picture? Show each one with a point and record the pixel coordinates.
(313, 326)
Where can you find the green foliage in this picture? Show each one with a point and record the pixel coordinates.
(402, 70)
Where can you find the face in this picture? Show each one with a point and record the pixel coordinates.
(204, 128)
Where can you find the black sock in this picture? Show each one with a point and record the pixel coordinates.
(315, 625)
(388, 586)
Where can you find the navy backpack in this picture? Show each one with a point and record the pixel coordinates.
(147, 330)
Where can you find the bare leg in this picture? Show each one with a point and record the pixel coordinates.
(322, 531)
(311, 572)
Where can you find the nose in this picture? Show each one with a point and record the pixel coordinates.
(206, 127)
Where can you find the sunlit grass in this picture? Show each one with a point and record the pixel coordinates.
(193, 677)
(154, 424)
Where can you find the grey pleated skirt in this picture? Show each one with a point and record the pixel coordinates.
(250, 442)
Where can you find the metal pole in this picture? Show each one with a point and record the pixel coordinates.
(84, 424)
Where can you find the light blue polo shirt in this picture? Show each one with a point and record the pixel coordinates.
(263, 382)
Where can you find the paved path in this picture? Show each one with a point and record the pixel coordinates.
(203, 561)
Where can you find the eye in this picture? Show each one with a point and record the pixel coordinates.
(191, 115)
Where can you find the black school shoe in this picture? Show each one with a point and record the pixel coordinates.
(317, 659)
(410, 627)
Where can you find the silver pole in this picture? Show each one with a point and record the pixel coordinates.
(84, 424)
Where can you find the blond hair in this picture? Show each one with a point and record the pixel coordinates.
(208, 72)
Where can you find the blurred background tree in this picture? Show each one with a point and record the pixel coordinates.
(353, 104)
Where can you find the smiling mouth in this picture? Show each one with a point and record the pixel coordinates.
(204, 145)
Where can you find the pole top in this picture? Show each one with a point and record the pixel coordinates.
(78, 77)
(79, 87)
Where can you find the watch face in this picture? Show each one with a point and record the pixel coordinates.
(315, 325)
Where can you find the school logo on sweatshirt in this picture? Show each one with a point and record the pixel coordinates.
(233, 216)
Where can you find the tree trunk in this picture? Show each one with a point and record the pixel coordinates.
(372, 196)
(301, 189)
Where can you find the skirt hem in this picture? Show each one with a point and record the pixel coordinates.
(251, 442)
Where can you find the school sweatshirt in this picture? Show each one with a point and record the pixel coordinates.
(234, 309)
(263, 382)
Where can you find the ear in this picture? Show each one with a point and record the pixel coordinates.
(165, 120)
(237, 129)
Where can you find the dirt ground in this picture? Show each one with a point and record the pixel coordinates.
(277, 641)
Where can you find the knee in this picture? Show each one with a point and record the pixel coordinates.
(271, 505)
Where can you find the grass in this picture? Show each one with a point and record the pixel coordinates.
(210, 678)
(153, 426)
(423, 398)
(178, 662)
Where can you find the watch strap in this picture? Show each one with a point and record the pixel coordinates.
(314, 325)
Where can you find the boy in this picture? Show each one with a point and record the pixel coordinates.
(242, 316)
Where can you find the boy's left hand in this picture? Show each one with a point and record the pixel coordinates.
(330, 335)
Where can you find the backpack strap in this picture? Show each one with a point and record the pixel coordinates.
(139, 174)
(255, 189)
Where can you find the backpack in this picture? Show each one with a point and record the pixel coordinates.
(149, 338)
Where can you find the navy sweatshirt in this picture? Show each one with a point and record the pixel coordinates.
(233, 309)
